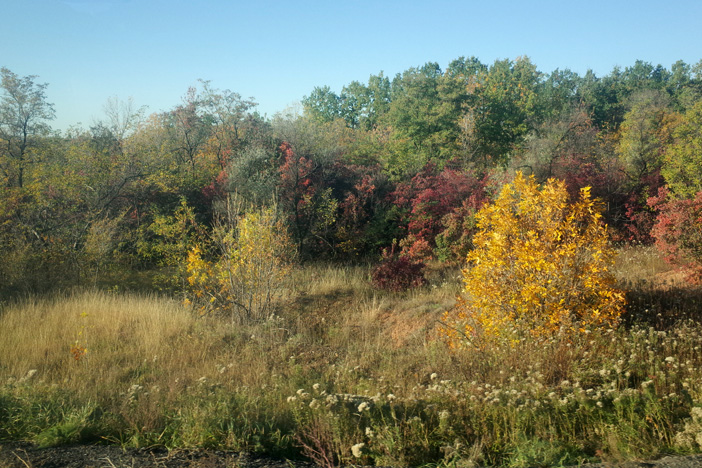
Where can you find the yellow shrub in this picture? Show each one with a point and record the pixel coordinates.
(254, 258)
(540, 265)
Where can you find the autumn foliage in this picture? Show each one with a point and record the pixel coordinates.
(398, 272)
(678, 230)
(540, 266)
(439, 206)
(252, 258)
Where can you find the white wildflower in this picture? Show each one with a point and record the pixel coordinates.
(357, 450)
(362, 407)
(314, 404)
(434, 376)
(369, 432)
(135, 388)
(316, 387)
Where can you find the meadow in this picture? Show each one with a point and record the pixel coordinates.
(345, 374)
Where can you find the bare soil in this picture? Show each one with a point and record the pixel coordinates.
(25, 455)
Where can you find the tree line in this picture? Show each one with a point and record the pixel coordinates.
(391, 170)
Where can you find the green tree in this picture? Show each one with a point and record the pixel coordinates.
(645, 133)
(322, 104)
(24, 112)
(682, 166)
(424, 116)
(502, 110)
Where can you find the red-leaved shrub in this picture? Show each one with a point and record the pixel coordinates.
(678, 230)
(398, 272)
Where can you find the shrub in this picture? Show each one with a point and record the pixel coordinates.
(540, 265)
(439, 205)
(398, 272)
(677, 230)
(253, 258)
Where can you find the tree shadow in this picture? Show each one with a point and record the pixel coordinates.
(662, 306)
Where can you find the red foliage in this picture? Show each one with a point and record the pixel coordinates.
(296, 189)
(678, 230)
(295, 177)
(429, 198)
(640, 215)
(354, 205)
(216, 190)
(398, 273)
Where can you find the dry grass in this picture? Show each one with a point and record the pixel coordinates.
(155, 373)
(640, 263)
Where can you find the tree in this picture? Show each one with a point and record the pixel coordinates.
(435, 200)
(228, 114)
(540, 266)
(501, 111)
(23, 115)
(682, 162)
(424, 115)
(253, 257)
(645, 132)
(310, 207)
(189, 127)
(322, 104)
(122, 117)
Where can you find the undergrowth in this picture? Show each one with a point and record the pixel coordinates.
(345, 374)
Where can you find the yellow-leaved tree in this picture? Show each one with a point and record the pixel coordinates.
(252, 257)
(540, 266)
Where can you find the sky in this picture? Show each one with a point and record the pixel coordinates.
(152, 51)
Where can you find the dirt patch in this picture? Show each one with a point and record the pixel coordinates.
(24, 455)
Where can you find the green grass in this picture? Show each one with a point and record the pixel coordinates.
(341, 365)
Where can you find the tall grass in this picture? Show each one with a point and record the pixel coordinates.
(342, 373)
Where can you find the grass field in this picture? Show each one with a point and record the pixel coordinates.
(343, 373)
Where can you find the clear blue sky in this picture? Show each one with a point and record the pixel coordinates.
(278, 51)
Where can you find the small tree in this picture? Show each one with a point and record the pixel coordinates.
(540, 265)
(253, 257)
(23, 115)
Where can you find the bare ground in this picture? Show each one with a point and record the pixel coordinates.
(25, 455)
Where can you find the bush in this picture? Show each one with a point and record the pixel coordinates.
(253, 259)
(677, 230)
(398, 273)
(540, 265)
